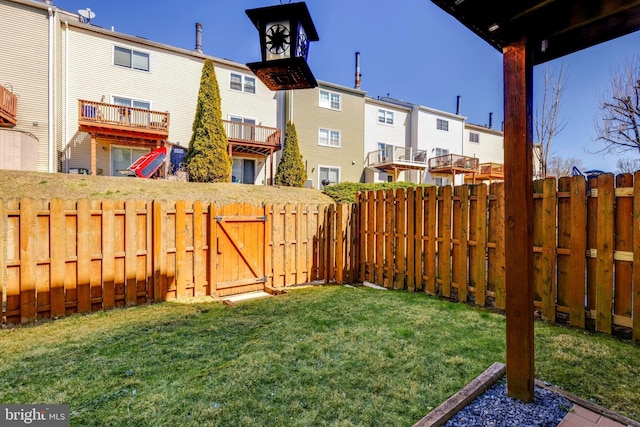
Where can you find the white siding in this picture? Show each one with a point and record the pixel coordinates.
(398, 134)
(490, 147)
(24, 30)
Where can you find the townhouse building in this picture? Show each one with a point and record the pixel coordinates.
(91, 99)
(486, 144)
(329, 121)
(79, 98)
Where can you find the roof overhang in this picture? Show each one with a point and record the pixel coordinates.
(552, 28)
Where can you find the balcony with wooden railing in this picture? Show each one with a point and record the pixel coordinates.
(394, 160)
(486, 172)
(452, 164)
(8, 107)
(250, 139)
(116, 121)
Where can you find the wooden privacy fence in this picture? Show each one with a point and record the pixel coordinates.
(75, 256)
(450, 242)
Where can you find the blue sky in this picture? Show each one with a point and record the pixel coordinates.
(410, 50)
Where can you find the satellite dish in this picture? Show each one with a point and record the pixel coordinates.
(87, 14)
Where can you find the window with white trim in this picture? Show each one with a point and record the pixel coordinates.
(442, 152)
(328, 175)
(330, 100)
(442, 124)
(242, 83)
(474, 137)
(328, 137)
(129, 58)
(385, 117)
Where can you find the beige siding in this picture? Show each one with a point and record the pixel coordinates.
(24, 30)
(171, 84)
(309, 117)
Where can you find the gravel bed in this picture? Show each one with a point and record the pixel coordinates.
(494, 408)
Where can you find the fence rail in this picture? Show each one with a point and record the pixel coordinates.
(450, 242)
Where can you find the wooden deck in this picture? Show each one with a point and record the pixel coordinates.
(127, 123)
(252, 140)
(394, 160)
(486, 172)
(8, 107)
(453, 164)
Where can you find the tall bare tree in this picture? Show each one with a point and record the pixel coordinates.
(628, 165)
(618, 121)
(561, 166)
(547, 120)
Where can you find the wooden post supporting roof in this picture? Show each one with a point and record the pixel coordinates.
(518, 74)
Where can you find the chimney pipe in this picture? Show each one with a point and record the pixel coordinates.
(490, 120)
(198, 37)
(458, 105)
(358, 75)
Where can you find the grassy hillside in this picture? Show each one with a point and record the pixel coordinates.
(38, 185)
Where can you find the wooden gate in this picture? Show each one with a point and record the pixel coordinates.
(239, 234)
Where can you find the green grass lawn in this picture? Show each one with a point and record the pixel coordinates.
(318, 356)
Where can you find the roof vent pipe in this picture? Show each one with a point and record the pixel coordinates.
(490, 120)
(198, 37)
(458, 105)
(358, 75)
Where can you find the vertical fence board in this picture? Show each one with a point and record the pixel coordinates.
(83, 253)
(159, 250)
(496, 273)
(592, 242)
(27, 260)
(279, 243)
(301, 244)
(636, 257)
(623, 269)
(57, 227)
(460, 233)
(108, 254)
(545, 241)
(199, 263)
(604, 268)
(131, 261)
(411, 229)
(445, 202)
(401, 238)
(213, 250)
(430, 226)
(417, 239)
(577, 264)
(379, 233)
(181, 248)
(389, 239)
(289, 245)
(478, 263)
